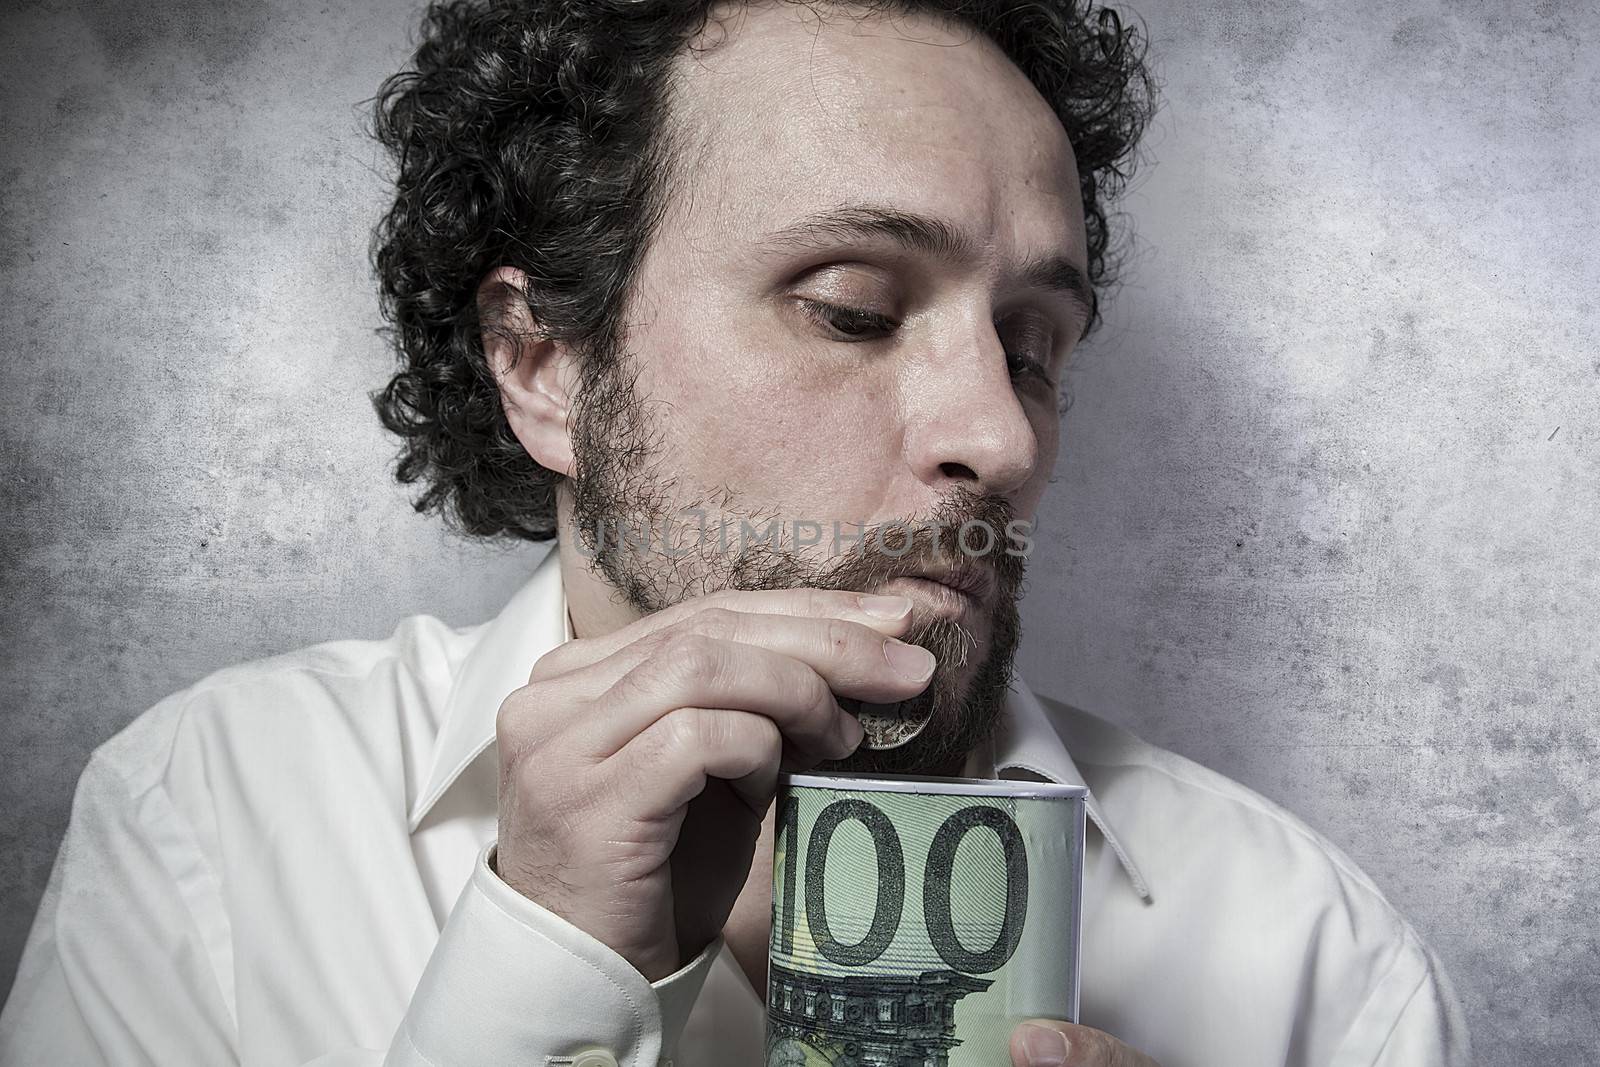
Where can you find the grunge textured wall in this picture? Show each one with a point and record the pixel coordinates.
(1326, 513)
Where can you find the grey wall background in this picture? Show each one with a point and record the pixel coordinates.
(1327, 504)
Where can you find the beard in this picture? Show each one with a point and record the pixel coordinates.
(624, 498)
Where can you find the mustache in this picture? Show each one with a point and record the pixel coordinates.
(935, 543)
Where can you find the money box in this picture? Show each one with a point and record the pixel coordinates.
(916, 921)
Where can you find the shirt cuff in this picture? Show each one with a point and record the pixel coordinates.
(511, 982)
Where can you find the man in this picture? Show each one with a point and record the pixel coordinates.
(774, 267)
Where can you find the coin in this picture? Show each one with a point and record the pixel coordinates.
(884, 725)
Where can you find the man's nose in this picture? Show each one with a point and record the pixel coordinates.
(965, 422)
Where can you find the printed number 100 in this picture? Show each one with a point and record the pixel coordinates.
(936, 905)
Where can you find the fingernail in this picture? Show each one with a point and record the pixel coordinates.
(852, 733)
(885, 607)
(913, 661)
(1043, 1046)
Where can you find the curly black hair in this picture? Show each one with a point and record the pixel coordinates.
(531, 134)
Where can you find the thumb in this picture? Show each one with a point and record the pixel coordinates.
(1049, 1043)
(1040, 1043)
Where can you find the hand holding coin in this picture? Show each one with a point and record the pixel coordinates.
(636, 767)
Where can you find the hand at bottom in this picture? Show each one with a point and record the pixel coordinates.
(1046, 1043)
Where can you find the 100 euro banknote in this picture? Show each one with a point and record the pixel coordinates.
(916, 921)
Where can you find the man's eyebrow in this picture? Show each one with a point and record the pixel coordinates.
(932, 236)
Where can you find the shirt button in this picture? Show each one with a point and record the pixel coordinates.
(594, 1057)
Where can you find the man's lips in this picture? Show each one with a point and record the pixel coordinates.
(955, 589)
(977, 582)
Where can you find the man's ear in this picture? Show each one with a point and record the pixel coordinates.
(537, 376)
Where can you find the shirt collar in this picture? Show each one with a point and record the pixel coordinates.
(535, 621)
(531, 624)
(1028, 744)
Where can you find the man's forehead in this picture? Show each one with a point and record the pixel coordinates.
(790, 116)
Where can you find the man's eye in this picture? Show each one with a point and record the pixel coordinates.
(1028, 347)
(850, 324)
(1022, 365)
(856, 324)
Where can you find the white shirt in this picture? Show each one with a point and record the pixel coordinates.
(286, 864)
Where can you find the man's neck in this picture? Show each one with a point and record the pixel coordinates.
(593, 604)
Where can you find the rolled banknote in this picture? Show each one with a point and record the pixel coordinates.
(916, 921)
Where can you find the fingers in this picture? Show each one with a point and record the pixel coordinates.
(1048, 1043)
(786, 667)
(680, 750)
(887, 614)
(791, 678)
(719, 686)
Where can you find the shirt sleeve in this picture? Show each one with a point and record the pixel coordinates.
(1412, 1018)
(512, 982)
(121, 965)
(115, 971)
